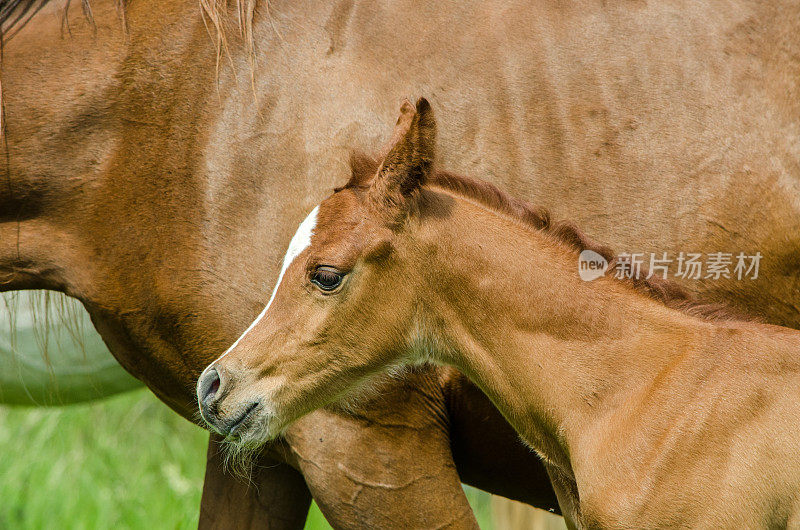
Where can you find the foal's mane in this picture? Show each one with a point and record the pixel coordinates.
(665, 291)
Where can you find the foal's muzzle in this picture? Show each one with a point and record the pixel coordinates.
(211, 391)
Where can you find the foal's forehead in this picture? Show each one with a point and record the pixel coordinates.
(339, 214)
(344, 228)
(302, 237)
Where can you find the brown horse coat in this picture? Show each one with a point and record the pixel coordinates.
(163, 197)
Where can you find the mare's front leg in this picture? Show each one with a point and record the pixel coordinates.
(386, 463)
(275, 497)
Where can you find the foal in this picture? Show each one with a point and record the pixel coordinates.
(646, 415)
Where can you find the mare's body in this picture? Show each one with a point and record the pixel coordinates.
(163, 198)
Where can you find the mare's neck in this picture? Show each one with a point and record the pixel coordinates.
(556, 354)
(139, 178)
(113, 144)
(100, 171)
(67, 108)
(56, 139)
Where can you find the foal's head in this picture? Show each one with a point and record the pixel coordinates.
(344, 305)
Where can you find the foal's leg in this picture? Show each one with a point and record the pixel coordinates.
(276, 497)
(386, 463)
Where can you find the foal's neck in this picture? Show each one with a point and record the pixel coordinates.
(507, 307)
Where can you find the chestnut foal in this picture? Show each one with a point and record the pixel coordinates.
(647, 415)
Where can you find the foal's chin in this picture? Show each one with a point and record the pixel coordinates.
(261, 428)
(280, 407)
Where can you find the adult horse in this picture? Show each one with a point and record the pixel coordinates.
(159, 183)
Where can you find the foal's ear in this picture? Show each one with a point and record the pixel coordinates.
(408, 162)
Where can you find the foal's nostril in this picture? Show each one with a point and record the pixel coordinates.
(209, 385)
(213, 390)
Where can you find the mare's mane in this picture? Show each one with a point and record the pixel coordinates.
(14, 14)
(665, 291)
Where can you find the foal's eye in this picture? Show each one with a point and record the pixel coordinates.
(326, 278)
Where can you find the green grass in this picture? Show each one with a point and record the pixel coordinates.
(124, 463)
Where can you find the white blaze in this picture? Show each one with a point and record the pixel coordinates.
(300, 242)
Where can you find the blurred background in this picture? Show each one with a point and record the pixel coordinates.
(104, 452)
